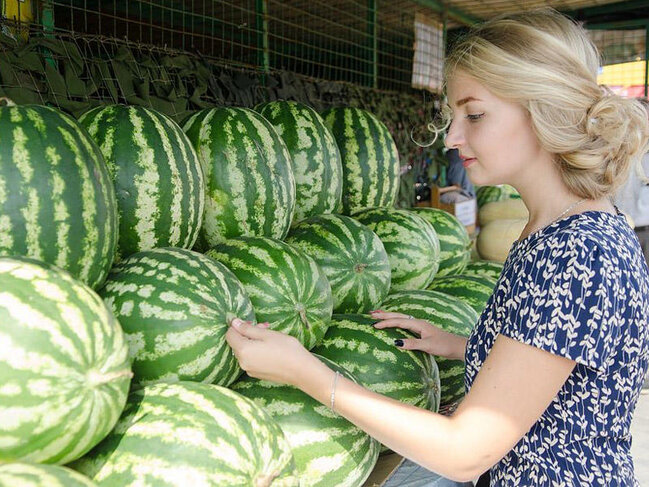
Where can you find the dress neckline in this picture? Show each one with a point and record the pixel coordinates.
(564, 221)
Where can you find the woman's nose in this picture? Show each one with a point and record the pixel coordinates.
(454, 137)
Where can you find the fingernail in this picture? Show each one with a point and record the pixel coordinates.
(236, 322)
(398, 342)
(265, 324)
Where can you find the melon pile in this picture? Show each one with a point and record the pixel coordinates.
(128, 245)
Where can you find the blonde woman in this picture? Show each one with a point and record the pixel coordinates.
(556, 362)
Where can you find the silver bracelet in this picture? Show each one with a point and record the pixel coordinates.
(333, 390)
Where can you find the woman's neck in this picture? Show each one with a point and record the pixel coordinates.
(548, 199)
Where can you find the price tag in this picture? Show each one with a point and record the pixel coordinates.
(465, 211)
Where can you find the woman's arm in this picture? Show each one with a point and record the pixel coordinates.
(515, 385)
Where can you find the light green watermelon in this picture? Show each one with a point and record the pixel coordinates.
(328, 449)
(447, 312)
(38, 475)
(191, 434)
(175, 306)
(473, 290)
(352, 257)
(411, 243)
(64, 368)
(487, 194)
(249, 175)
(454, 241)
(286, 287)
(370, 158)
(316, 159)
(57, 201)
(485, 268)
(370, 355)
(158, 180)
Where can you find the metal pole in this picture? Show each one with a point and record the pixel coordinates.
(646, 60)
(372, 30)
(261, 20)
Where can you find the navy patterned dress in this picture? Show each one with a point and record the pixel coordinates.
(578, 288)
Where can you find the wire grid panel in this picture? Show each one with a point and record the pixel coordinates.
(366, 42)
(623, 60)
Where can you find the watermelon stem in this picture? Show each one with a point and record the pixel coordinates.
(97, 379)
(265, 480)
(360, 268)
(7, 102)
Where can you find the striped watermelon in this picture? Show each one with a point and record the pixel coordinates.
(57, 202)
(369, 157)
(369, 354)
(191, 434)
(352, 257)
(447, 312)
(411, 243)
(249, 178)
(329, 450)
(317, 165)
(486, 268)
(36, 475)
(454, 241)
(175, 306)
(487, 194)
(64, 368)
(158, 180)
(473, 290)
(286, 287)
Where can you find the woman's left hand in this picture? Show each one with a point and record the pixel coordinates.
(267, 354)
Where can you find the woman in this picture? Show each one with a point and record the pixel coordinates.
(555, 364)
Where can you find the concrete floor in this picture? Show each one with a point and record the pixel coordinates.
(640, 432)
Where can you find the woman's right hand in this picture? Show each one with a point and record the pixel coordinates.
(432, 339)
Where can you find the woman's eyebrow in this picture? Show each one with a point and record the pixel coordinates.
(463, 101)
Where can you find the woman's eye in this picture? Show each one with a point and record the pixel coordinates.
(474, 117)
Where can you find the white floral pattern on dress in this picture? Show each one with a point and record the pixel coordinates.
(578, 288)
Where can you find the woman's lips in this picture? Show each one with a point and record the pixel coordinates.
(466, 162)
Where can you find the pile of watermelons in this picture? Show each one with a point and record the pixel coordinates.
(128, 244)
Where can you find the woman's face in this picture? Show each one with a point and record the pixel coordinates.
(494, 136)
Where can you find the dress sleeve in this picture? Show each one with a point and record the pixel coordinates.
(564, 301)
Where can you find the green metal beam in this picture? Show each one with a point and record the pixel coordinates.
(621, 24)
(452, 13)
(611, 8)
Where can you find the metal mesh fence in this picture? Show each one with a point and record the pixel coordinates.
(624, 60)
(366, 42)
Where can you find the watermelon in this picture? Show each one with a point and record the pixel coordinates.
(448, 313)
(328, 449)
(317, 165)
(411, 243)
(175, 306)
(36, 475)
(369, 158)
(158, 180)
(57, 202)
(287, 288)
(487, 194)
(191, 434)
(370, 356)
(64, 368)
(454, 240)
(473, 290)
(249, 177)
(484, 268)
(352, 257)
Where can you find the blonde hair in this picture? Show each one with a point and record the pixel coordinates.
(547, 63)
